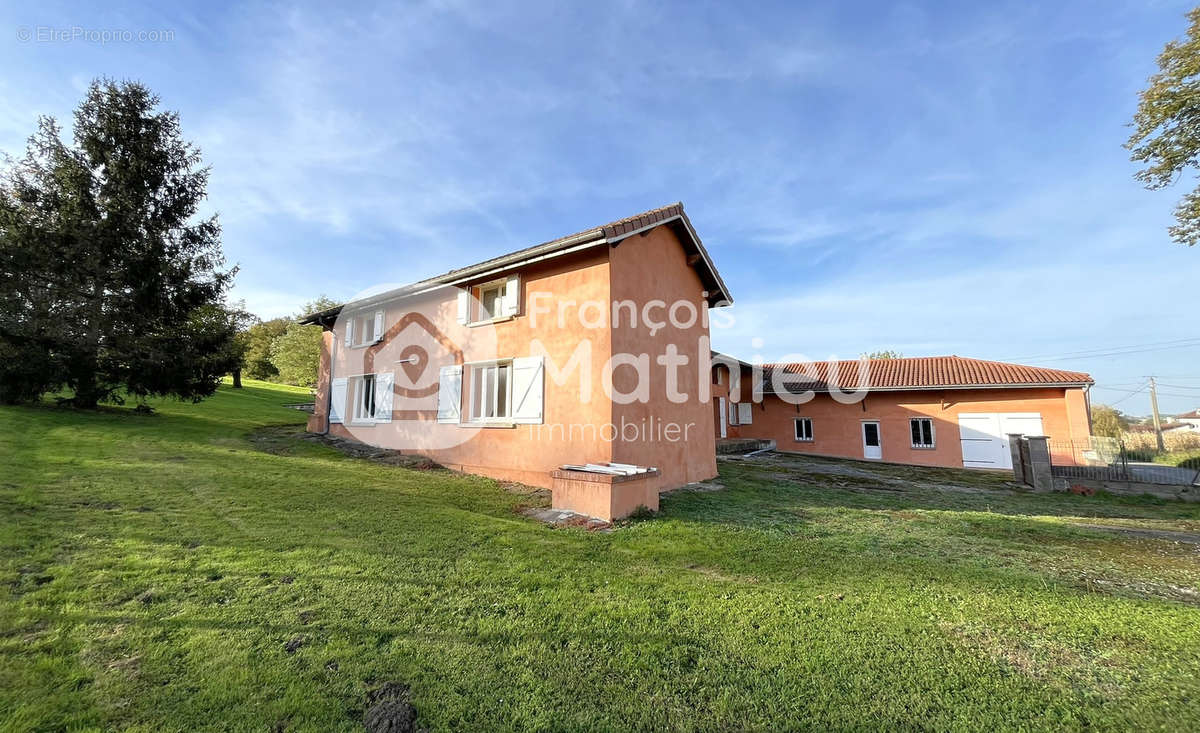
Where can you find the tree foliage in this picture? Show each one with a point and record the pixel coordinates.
(109, 283)
(258, 339)
(297, 354)
(1108, 422)
(884, 354)
(1166, 127)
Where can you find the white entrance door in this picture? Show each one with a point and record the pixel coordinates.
(872, 444)
(984, 436)
(721, 412)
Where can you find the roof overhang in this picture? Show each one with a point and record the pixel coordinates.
(716, 293)
(825, 388)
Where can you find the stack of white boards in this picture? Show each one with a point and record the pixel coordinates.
(612, 469)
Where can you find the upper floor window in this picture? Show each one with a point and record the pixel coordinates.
(363, 329)
(490, 301)
(922, 432)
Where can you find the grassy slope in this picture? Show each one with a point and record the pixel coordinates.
(153, 569)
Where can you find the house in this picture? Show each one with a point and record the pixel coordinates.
(588, 351)
(933, 411)
(1188, 422)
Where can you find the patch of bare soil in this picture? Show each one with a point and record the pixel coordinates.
(1039, 658)
(853, 475)
(281, 440)
(390, 709)
(539, 495)
(1190, 538)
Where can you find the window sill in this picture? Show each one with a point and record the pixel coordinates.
(488, 424)
(924, 447)
(804, 440)
(490, 321)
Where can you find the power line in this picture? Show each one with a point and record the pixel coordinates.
(1185, 343)
(1179, 386)
(1131, 394)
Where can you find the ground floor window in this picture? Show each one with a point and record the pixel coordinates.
(804, 433)
(491, 391)
(922, 432)
(364, 397)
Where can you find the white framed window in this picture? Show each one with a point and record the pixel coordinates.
(922, 432)
(804, 431)
(745, 413)
(364, 329)
(490, 301)
(364, 398)
(491, 392)
(733, 413)
(371, 398)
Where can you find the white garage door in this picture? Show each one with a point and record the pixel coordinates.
(984, 436)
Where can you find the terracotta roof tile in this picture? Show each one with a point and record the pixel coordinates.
(928, 372)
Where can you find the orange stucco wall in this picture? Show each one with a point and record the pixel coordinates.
(580, 423)
(653, 266)
(508, 452)
(837, 427)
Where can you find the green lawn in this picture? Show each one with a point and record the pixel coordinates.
(155, 567)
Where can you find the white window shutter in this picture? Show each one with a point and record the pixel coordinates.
(383, 396)
(512, 295)
(464, 307)
(450, 394)
(528, 385)
(337, 399)
(745, 413)
(379, 325)
(349, 332)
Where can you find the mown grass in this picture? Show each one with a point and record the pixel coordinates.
(1185, 459)
(155, 567)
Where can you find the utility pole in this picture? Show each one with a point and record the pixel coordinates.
(1154, 413)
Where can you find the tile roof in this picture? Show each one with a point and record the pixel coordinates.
(927, 372)
(1193, 415)
(612, 233)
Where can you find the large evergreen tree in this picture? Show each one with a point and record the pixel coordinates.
(109, 283)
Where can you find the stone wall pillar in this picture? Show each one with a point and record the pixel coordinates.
(1039, 477)
(1014, 448)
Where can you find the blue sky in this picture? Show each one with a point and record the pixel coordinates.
(939, 178)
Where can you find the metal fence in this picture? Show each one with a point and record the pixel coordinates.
(1107, 459)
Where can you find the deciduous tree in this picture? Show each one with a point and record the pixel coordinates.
(1166, 127)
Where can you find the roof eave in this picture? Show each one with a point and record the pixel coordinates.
(939, 387)
(717, 297)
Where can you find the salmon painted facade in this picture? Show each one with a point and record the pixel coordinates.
(931, 411)
(569, 353)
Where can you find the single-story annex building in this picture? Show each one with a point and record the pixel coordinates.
(933, 411)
